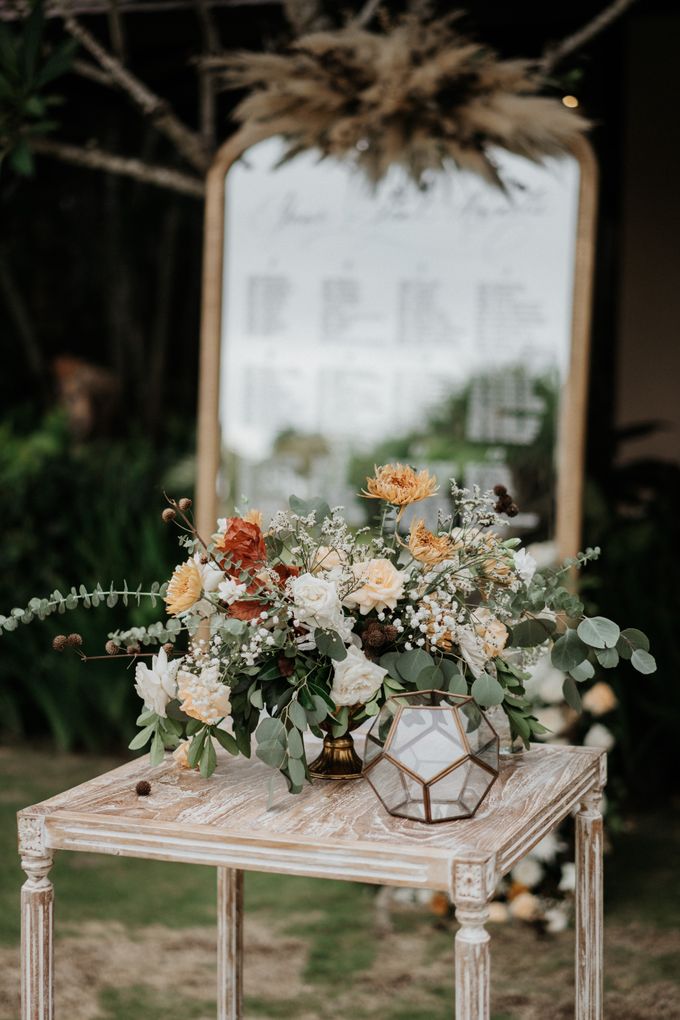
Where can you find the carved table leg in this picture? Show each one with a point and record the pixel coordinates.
(473, 963)
(589, 920)
(229, 944)
(37, 970)
(474, 881)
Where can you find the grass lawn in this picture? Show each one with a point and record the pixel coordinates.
(135, 939)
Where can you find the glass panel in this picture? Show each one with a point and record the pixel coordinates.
(478, 730)
(457, 794)
(489, 753)
(399, 792)
(426, 741)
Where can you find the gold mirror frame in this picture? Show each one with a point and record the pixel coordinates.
(572, 425)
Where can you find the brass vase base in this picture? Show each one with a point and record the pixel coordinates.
(338, 760)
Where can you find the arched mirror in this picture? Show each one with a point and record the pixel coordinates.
(443, 326)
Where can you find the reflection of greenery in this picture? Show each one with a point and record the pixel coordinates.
(443, 437)
(302, 448)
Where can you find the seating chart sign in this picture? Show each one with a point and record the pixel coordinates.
(361, 325)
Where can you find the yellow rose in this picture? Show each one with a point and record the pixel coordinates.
(400, 485)
(254, 517)
(184, 589)
(379, 586)
(427, 547)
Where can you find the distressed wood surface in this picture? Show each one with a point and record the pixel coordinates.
(334, 830)
(589, 916)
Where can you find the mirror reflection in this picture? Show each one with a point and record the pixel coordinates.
(361, 326)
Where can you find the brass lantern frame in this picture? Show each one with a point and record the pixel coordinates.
(426, 784)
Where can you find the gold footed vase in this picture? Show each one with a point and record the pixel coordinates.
(338, 759)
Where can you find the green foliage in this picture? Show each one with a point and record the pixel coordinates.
(25, 73)
(72, 513)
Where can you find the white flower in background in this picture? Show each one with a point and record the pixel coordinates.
(230, 591)
(553, 719)
(568, 877)
(316, 603)
(157, 685)
(528, 872)
(211, 575)
(525, 907)
(545, 683)
(203, 697)
(556, 920)
(380, 586)
(525, 565)
(548, 849)
(498, 912)
(356, 679)
(544, 554)
(600, 699)
(599, 736)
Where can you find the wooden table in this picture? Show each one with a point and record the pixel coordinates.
(331, 830)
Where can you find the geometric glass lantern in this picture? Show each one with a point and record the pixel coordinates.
(431, 756)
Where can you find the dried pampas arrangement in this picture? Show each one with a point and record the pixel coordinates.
(419, 94)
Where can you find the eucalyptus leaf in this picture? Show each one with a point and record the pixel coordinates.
(630, 640)
(487, 691)
(296, 771)
(272, 753)
(571, 694)
(270, 729)
(599, 632)
(430, 679)
(296, 748)
(642, 661)
(607, 657)
(568, 651)
(530, 633)
(411, 664)
(584, 671)
(297, 715)
(330, 643)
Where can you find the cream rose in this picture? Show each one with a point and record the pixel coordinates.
(356, 678)
(204, 697)
(379, 586)
(316, 603)
(157, 685)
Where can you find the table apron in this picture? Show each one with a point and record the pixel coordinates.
(351, 865)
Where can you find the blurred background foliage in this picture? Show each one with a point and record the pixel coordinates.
(99, 312)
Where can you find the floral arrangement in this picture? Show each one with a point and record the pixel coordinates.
(307, 624)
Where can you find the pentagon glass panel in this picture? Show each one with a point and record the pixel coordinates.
(431, 756)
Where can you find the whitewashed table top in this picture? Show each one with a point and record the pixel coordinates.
(331, 829)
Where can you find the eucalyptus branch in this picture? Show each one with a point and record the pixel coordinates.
(58, 603)
(123, 166)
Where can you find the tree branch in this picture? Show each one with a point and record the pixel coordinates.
(207, 106)
(366, 13)
(87, 70)
(556, 54)
(188, 142)
(110, 162)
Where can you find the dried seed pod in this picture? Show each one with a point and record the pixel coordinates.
(184, 503)
(143, 788)
(74, 640)
(168, 515)
(60, 642)
(111, 648)
(133, 649)
(168, 647)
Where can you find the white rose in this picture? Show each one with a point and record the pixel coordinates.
(230, 591)
(356, 678)
(157, 685)
(380, 585)
(211, 575)
(599, 736)
(317, 604)
(525, 565)
(528, 872)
